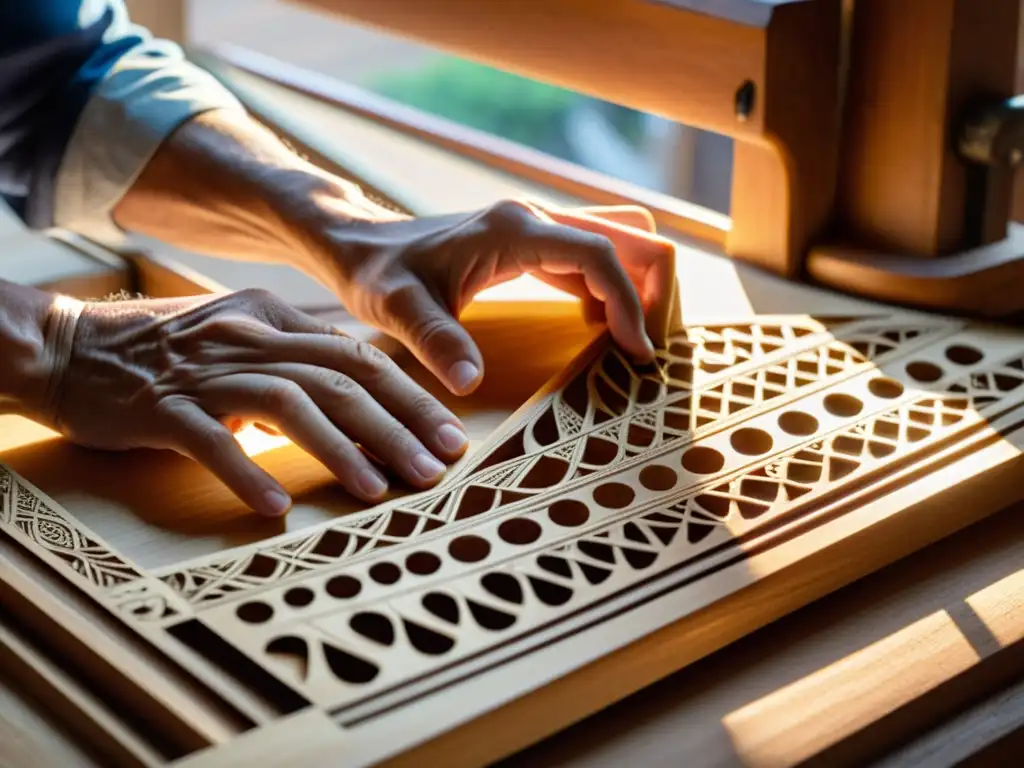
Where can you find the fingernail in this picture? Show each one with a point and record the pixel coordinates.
(463, 375)
(277, 503)
(451, 438)
(427, 467)
(372, 484)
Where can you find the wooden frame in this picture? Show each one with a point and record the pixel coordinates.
(783, 53)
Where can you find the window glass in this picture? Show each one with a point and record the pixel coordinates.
(623, 143)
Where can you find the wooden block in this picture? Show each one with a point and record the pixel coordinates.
(623, 524)
(916, 65)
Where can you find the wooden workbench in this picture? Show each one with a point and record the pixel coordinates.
(924, 648)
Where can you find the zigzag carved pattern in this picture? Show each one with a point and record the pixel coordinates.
(609, 413)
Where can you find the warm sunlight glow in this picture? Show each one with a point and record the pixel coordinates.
(255, 441)
(998, 608)
(16, 432)
(799, 720)
(525, 288)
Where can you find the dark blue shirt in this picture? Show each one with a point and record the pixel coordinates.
(85, 98)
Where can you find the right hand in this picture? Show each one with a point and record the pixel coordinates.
(169, 374)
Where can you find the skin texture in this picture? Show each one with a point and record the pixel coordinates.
(172, 374)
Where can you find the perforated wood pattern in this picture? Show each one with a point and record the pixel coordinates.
(614, 488)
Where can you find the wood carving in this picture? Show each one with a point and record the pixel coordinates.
(615, 491)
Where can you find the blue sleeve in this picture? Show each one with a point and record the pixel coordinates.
(86, 97)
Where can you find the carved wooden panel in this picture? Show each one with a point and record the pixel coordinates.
(618, 501)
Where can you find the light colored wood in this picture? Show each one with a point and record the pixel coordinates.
(802, 720)
(916, 65)
(981, 282)
(783, 187)
(683, 719)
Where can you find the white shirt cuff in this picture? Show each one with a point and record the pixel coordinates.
(133, 110)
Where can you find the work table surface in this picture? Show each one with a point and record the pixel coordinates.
(900, 652)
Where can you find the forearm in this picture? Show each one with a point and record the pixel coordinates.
(226, 186)
(23, 316)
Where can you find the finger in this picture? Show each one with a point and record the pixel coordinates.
(632, 216)
(651, 256)
(436, 426)
(428, 329)
(575, 285)
(285, 405)
(209, 443)
(565, 250)
(364, 420)
(308, 340)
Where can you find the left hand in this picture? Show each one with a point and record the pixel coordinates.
(411, 278)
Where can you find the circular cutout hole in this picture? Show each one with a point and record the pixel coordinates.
(519, 530)
(798, 423)
(385, 573)
(657, 477)
(614, 495)
(422, 563)
(343, 587)
(922, 371)
(701, 460)
(568, 513)
(961, 354)
(469, 549)
(298, 596)
(254, 613)
(751, 441)
(885, 388)
(843, 405)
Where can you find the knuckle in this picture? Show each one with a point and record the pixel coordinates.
(283, 398)
(433, 330)
(339, 384)
(256, 296)
(367, 356)
(509, 215)
(395, 300)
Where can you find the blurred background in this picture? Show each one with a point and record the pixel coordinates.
(639, 148)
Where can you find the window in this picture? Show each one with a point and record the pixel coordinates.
(633, 146)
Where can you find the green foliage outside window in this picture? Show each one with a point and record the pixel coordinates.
(500, 103)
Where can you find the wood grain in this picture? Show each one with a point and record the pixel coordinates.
(915, 66)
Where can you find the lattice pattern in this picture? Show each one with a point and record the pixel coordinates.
(29, 516)
(369, 629)
(610, 413)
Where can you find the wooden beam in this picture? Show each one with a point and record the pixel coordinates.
(915, 66)
(765, 72)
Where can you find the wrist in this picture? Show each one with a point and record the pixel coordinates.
(25, 373)
(325, 216)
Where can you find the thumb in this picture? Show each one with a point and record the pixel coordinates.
(413, 316)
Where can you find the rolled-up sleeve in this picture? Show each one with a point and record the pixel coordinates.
(86, 98)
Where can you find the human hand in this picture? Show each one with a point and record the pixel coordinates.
(411, 278)
(169, 373)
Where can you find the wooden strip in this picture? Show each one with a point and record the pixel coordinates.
(80, 708)
(693, 61)
(808, 717)
(182, 719)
